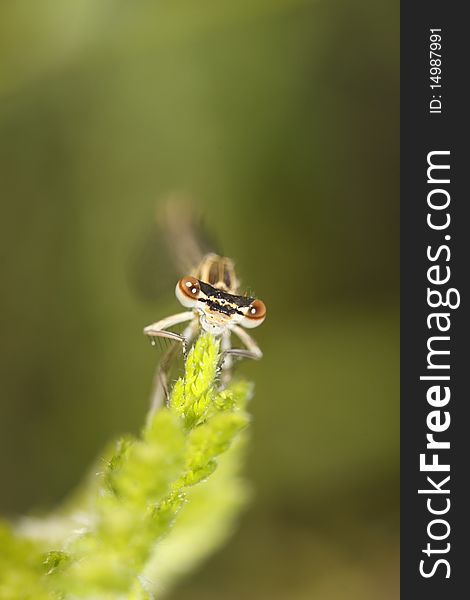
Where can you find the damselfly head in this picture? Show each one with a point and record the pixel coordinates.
(218, 309)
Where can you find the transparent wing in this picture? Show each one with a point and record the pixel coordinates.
(172, 246)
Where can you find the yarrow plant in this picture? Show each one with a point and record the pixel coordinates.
(160, 503)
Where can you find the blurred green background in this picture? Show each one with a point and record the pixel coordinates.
(280, 118)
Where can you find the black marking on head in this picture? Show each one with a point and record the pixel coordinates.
(220, 306)
(223, 308)
(214, 294)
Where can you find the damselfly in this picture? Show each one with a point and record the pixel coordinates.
(211, 292)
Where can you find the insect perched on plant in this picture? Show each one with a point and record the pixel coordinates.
(211, 292)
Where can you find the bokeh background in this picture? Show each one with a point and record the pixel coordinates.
(280, 119)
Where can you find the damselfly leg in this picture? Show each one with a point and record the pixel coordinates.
(251, 350)
(160, 390)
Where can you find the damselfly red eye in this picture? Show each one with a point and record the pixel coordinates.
(187, 291)
(255, 314)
